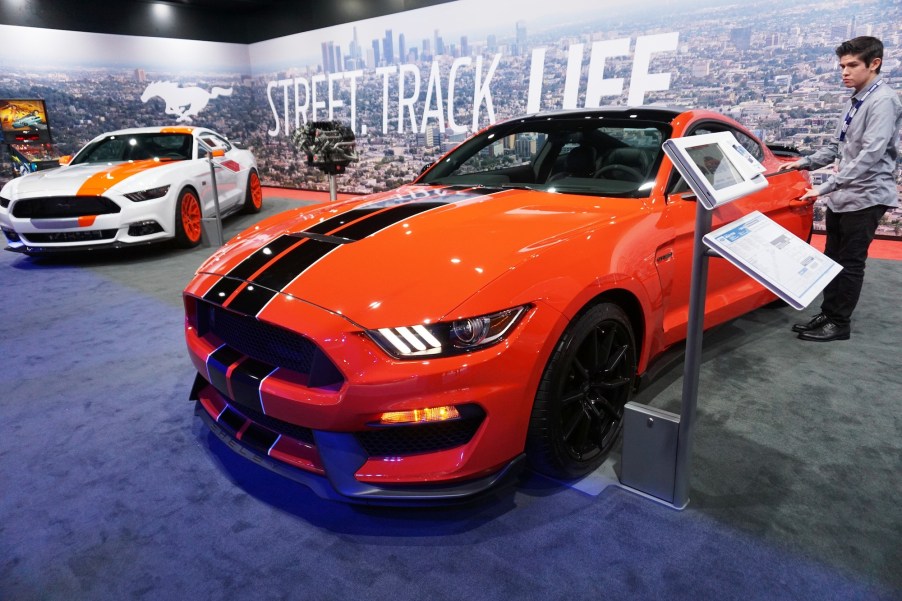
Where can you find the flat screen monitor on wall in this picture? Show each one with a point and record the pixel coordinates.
(24, 120)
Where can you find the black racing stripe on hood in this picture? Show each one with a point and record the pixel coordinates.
(288, 256)
(253, 262)
(222, 290)
(446, 194)
(392, 207)
(251, 299)
(293, 263)
(333, 223)
(300, 258)
(259, 258)
(380, 221)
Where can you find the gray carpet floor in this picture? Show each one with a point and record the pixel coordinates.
(110, 488)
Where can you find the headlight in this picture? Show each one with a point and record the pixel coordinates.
(4, 202)
(147, 194)
(447, 338)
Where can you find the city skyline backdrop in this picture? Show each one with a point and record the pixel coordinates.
(404, 80)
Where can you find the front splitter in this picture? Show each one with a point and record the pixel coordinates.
(341, 461)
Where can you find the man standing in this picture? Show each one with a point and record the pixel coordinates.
(862, 189)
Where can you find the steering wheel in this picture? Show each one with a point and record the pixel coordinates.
(632, 173)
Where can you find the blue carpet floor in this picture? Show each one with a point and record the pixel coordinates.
(112, 489)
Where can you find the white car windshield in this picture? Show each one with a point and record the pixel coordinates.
(137, 147)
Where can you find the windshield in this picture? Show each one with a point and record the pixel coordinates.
(136, 147)
(593, 156)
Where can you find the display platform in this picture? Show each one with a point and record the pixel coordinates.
(794, 487)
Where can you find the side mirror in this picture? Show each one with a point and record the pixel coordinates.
(218, 152)
(65, 159)
(686, 195)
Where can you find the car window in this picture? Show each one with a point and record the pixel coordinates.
(566, 155)
(214, 141)
(749, 144)
(513, 151)
(136, 147)
(109, 150)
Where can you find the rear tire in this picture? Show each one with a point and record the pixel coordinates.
(188, 219)
(253, 198)
(577, 416)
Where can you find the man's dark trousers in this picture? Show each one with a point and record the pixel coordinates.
(848, 237)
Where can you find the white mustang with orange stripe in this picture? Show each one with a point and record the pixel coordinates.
(131, 186)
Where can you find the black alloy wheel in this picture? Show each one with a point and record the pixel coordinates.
(578, 411)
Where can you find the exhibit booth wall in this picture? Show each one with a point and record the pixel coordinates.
(414, 84)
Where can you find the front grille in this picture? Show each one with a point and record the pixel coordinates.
(71, 236)
(269, 344)
(426, 438)
(54, 207)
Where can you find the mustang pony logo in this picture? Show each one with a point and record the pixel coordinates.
(183, 102)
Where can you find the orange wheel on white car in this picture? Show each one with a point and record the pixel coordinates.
(188, 219)
(253, 200)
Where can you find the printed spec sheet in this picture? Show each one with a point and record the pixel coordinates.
(775, 257)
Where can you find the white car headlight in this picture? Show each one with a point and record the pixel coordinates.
(447, 338)
(148, 194)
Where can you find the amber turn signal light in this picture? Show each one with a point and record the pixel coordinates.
(429, 414)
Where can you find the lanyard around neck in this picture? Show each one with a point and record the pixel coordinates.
(854, 109)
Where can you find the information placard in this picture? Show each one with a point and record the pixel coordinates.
(775, 257)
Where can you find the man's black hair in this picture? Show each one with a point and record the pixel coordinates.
(865, 47)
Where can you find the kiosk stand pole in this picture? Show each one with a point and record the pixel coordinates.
(657, 445)
(333, 188)
(217, 217)
(692, 364)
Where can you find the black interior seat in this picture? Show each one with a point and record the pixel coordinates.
(629, 164)
(580, 162)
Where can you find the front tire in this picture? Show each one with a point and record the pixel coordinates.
(253, 198)
(188, 219)
(577, 415)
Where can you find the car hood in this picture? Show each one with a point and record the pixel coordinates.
(86, 179)
(414, 254)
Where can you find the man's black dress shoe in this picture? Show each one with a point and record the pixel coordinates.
(816, 322)
(827, 332)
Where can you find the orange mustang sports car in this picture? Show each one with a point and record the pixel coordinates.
(425, 343)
